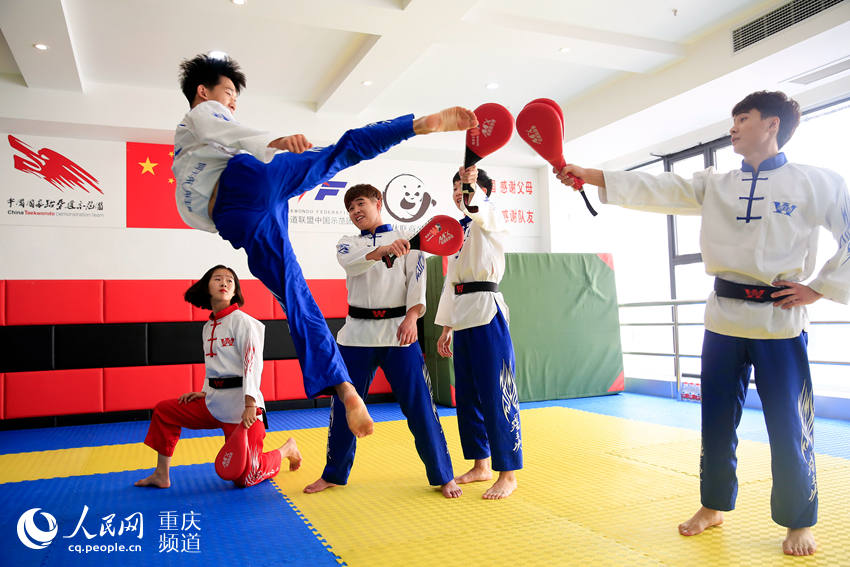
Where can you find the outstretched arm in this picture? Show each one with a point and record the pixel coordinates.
(591, 176)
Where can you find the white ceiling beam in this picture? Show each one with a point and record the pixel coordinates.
(380, 60)
(566, 33)
(26, 22)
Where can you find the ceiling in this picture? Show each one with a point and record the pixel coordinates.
(620, 68)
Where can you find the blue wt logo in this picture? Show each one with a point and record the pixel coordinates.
(784, 208)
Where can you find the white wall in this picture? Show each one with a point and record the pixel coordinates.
(40, 251)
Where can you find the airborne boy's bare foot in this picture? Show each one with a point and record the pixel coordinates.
(451, 489)
(503, 487)
(359, 421)
(480, 471)
(799, 541)
(701, 521)
(318, 486)
(289, 450)
(447, 120)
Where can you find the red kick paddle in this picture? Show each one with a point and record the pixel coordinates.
(232, 459)
(541, 126)
(442, 235)
(554, 105)
(495, 128)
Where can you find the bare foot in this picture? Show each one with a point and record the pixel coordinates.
(155, 480)
(481, 471)
(702, 520)
(289, 450)
(451, 490)
(447, 120)
(318, 486)
(502, 488)
(359, 421)
(800, 541)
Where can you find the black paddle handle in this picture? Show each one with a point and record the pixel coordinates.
(471, 158)
(587, 202)
(389, 259)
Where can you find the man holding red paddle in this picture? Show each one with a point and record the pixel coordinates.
(759, 238)
(380, 331)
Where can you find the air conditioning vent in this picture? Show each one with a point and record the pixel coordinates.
(777, 20)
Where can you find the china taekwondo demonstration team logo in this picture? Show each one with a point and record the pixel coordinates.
(52, 167)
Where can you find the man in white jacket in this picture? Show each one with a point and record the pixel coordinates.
(759, 239)
(234, 180)
(380, 331)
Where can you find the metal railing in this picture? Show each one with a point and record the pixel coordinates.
(675, 324)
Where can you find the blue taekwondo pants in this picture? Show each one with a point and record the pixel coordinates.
(252, 212)
(486, 394)
(405, 370)
(785, 388)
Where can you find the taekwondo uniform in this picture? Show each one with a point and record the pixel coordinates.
(484, 363)
(252, 210)
(378, 300)
(233, 356)
(758, 227)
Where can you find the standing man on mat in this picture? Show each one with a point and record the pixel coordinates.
(237, 181)
(380, 331)
(474, 311)
(759, 239)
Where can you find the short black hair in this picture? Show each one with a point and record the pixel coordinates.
(205, 70)
(198, 293)
(770, 104)
(361, 190)
(483, 180)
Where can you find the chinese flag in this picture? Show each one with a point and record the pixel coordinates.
(150, 187)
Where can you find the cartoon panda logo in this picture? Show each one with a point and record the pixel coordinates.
(406, 199)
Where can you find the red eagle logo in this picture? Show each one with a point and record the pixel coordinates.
(53, 167)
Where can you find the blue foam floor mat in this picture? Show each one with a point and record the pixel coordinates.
(227, 525)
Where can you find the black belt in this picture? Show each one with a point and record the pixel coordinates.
(758, 293)
(472, 287)
(226, 382)
(376, 312)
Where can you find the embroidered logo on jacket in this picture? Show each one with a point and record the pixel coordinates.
(784, 208)
(342, 249)
(227, 341)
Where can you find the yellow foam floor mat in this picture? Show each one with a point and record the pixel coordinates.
(596, 490)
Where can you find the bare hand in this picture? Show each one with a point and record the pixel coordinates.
(189, 396)
(295, 143)
(444, 343)
(563, 176)
(407, 331)
(796, 295)
(249, 416)
(468, 175)
(399, 248)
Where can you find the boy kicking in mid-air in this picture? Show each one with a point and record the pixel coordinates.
(237, 181)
